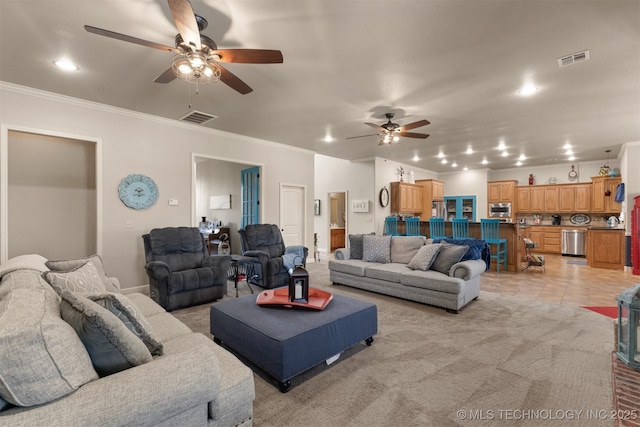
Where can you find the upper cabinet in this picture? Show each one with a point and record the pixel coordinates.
(553, 198)
(432, 191)
(501, 191)
(406, 198)
(603, 192)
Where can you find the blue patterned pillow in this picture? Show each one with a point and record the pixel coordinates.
(376, 248)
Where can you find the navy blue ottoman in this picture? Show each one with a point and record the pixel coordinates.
(286, 342)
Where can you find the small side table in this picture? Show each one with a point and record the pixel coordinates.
(238, 261)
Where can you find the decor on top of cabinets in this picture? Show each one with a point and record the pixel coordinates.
(572, 173)
(604, 170)
(530, 179)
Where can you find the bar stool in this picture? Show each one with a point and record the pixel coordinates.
(490, 231)
(460, 227)
(436, 228)
(412, 226)
(391, 226)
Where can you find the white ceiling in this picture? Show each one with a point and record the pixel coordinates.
(456, 63)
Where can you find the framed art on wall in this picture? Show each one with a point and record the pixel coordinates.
(316, 207)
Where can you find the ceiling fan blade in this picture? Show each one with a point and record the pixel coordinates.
(130, 39)
(414, 135)
(378, 127)
(166, 77)
(415, 125)
(186, 22)
(233, 81)
(361, 136)
(249, 56)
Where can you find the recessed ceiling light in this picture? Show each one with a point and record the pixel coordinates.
(328, 138)
(416, 158)
(522, 157)
(501, 146)
(440, 155)
(454, 165)
(572, 158)
(465, 168)
(566, 146)
(469, 150)
(444, 161)
(504, 154)
(484, 161)
(518, 163)
(66, 65)
(527, 90)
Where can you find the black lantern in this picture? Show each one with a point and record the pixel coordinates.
(299, 285)
(628, 323)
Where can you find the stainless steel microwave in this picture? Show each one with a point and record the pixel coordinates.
(500, 210)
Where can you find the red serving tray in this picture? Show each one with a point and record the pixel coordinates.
(279, 297)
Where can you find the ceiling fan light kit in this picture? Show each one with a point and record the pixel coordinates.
(390, 133)
(197, 57)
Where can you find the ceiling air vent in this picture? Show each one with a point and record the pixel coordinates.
(573, 58)
(198, 117)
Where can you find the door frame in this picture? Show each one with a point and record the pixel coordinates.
(4, 177)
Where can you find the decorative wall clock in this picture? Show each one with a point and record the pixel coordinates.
(384, 197)
(138, 191)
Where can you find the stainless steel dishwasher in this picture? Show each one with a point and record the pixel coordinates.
(574, 242)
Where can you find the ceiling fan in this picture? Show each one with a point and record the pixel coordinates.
(197, 57)
(390, 133)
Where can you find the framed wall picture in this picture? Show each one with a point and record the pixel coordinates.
(316, 207)
(360, 206)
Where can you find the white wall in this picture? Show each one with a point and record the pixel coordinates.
(560, 172)
(468, 183)
(161, 149)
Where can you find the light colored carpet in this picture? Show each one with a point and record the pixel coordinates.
(502, 361)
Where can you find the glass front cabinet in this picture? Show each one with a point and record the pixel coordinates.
(461, 207)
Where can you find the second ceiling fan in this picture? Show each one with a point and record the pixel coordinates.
(197, 57)
(390, 133)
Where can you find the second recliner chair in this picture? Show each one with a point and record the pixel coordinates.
(272, 259)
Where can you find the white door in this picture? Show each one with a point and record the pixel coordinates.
(292, 214)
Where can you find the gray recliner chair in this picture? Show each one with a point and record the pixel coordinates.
(272, 260)
(181, 272)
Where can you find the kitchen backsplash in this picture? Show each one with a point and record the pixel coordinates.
(545, 219)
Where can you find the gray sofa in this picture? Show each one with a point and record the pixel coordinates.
(391, 274)
(47, 375)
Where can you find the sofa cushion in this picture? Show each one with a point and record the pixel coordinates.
(376, 248)
(390, 272)
(72, 264)
(403, 248)
(41, 357)
(112, 347)
(24, 262)
(432, 280)
(447, 256)
(125, 310)
(83, 279)
(355, 267)
(355, 245)
(425, 256)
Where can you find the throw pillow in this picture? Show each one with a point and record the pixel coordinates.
(84, 279)
(111, 346)
(125, 310)
(72, 264)
(425, 256)
(447, 256)
(376, 248)
(355, 246)
(403, 248)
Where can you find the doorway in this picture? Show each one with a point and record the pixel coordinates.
(337, 220)
(293, 213)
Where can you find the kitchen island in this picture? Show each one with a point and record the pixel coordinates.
(508, 231)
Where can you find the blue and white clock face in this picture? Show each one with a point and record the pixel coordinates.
(138, 191)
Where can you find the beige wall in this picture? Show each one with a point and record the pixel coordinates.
(161, 149)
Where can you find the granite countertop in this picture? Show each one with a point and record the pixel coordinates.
(598, 227)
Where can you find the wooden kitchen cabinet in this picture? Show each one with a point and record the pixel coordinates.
(600, 202)
(546, 238)
(538, 199)
(523, 199)
(606, 248)
(551, 198)
(406, 198)
(432, 191)
(582, 198)
(501, 191)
